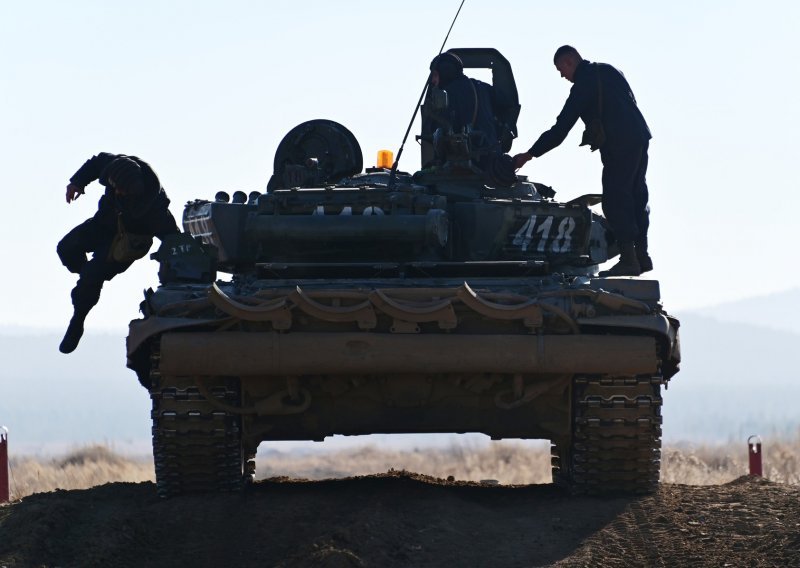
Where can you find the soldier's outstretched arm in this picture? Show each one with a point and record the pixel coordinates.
(579, 97)
(87, 173)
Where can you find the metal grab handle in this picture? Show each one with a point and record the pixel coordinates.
(530, 311)
(361, 313)
(276, 311)
(439, 311)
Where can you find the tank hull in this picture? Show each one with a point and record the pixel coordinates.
(577, 363)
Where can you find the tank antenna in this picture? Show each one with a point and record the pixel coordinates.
(393, 174)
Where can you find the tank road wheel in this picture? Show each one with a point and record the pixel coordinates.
(616, 437)
(197, 445)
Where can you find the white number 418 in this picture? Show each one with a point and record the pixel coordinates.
(562, 242)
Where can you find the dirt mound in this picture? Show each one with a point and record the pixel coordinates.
(405, 519)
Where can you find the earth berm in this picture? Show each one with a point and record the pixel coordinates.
(400, 519)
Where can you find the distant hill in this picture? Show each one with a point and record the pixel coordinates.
(736, 379)
(775, 311)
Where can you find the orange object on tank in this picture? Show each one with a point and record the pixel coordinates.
(385, 159)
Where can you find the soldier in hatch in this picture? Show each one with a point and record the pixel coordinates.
(474, 106)
(130, 213)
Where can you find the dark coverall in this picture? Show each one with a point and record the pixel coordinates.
(473, 103)
(144, 214)
(624, 154)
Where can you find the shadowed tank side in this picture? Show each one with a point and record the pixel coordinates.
(456, 299)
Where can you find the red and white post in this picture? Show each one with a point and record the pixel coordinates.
(754, 453)
(4, 490)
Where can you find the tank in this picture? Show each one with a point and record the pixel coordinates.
(347, 301)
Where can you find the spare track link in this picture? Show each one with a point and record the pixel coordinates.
(197, 447)
(616, 437)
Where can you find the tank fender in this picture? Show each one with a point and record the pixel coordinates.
(657, 323)
(140, 330)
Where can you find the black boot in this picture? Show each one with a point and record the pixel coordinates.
(645, 262)
(74, 333)
(628, 264)
(84, 297)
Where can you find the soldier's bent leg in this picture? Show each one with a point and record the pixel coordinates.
(72, 249)
(86, 294)
(83, 239)
(83, 301)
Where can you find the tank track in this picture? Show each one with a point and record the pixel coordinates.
(197, 446)
(616, 437)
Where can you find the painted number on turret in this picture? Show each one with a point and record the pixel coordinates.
(539, 234)
(180, 249)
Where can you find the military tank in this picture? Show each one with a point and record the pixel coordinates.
(380, 301)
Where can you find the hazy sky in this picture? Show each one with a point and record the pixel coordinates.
(205, 91)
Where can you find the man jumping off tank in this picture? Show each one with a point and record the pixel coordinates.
(130, 213)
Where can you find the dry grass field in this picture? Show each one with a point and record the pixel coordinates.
(507, 462)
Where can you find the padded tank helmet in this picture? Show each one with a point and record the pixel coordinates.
(124, 174)
(448, 65)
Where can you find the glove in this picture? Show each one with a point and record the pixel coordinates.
(73, 192)
(521, 159)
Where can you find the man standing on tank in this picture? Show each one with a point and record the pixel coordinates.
(601, 97)
(134, 202)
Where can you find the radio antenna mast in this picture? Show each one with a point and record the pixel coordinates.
(393, 174)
